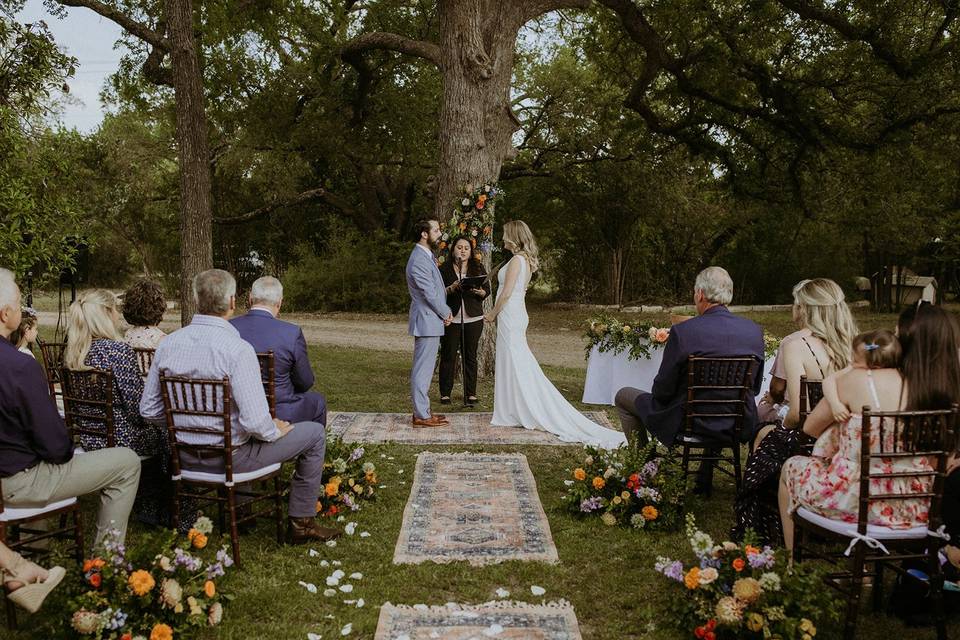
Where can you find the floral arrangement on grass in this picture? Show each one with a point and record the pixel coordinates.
(348, 479)
(159, 589)
(628, 486)
(742, 591)
(473, 218)
(608, 333)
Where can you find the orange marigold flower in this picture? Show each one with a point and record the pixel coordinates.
(209, 588)
(482, 198)
(738, 564)
(579, 474)
(443, 245)
(462, 226)
(487, 230)
(598, 483)
(95, 563)
(751, 549)
(141, 582)
(199, 540)
(692, 579)
(96, 580)
(649, 512)
(331, 489)
(473, 242)
(161, 632)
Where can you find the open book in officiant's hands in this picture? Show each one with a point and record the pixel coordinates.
(472, 282)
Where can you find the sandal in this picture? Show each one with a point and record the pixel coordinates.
(31, 594)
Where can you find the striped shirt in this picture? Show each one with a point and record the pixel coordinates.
(211, 348)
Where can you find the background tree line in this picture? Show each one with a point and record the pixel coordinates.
(783, 139)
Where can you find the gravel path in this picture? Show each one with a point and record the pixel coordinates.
(562, 348)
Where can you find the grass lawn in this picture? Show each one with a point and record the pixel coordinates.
(606, 573)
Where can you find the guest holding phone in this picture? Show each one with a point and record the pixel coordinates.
(463, 334)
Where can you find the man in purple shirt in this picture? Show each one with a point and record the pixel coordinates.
(211, 348)
(37, 465)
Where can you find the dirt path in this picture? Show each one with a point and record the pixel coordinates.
(563, 348)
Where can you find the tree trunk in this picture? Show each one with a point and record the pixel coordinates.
(196, 218)
(476, 123)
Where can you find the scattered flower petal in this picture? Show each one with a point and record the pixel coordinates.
(346, 588)
(502, 593)
(331, 543)
(329, 592)
(350, 528)
(313, 636)
(336, 563)
(537, 591)
(332, 581)
(309, 586)
(356, 575)
(313, 553)
(364, 534)
(324, 563)
(347, 629)
(360, 603)
(338, 574)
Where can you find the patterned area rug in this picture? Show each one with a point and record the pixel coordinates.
(502, 620)
(465, 428)
(478, 507)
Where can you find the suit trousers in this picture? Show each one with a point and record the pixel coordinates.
(450, 344)
(424, 359)
(306, 443)
(114, 473)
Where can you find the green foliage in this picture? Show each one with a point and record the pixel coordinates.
(610, 334)
(354, 272)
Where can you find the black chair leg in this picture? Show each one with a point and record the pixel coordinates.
(78, 536)
(853, 597)
(936, 591)
(234, 533)
(278, 507)
(878, 586)
(737, 476)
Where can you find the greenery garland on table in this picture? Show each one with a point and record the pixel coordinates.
(472, 218)
(610, 334)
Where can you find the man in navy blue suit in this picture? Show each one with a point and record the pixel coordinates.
(715, 333)
(261, 328)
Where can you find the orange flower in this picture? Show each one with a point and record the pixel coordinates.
(371, 477)
(96, 580)
(738, 564)
(692, 579)
(332, 488)
(480, 204)
(649, 512)
(333, 510)
(579, 474)
(161, 632)
(462, 226)
(473, 242)
(126, 636)
(751, 549)
(487, 230)
(209, 588)
(482, 198)
(200, 540)
(598, 483)
(443, 245)
(95, 563)
(141, 582)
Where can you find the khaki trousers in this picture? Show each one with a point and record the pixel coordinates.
(114, 473)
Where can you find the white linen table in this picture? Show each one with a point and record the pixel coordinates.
(609, 372)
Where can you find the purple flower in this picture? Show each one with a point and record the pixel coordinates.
(356, 455)
(650, 469)
(673, 569)
(763, 560)
(224, 558)
(591, 504)
(349, 501)
(215, 570)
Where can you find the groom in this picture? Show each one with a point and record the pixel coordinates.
(429, 314)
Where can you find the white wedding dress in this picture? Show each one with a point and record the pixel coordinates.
(522, 395)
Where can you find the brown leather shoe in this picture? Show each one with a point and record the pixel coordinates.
(432, 421)
(300, 530)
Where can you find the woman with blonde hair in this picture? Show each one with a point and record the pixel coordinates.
(522, 395)
(821, 347)
(94, 342)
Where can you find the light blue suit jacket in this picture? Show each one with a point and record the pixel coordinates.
(428, 297)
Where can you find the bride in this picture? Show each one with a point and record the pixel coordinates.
(522, 395)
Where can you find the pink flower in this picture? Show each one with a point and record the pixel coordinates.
(662, 335)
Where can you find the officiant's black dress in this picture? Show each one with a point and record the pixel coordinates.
(469, 308)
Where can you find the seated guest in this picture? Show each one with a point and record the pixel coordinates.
(93, 342)
(211, 348)
(828, 482)
(469, 317)
(143, 307)
(292, 374)
(36, 455)
(26, 334)
(714, 333)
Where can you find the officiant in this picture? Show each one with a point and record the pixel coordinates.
(467, 286)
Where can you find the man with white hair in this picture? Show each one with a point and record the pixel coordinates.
(293, 376)
(211, 348)
(37, 464)
(714, 333)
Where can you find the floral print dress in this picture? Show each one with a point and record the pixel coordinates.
(828, 483)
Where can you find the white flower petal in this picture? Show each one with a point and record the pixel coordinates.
(324, 563)
(502, 593)
(364, 534)
(331, 543)
(350, 528)
(360, 603)
(340, 518)
(349, 602)
(338, 574)
(336, 563)
(313, 636)
(329, 592)
(347, 629)
(332, 581)
(537, 591)
(309, 586)
(346, 588)
(356, 575)
(313, 553)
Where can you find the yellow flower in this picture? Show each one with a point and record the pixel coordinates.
(617, 499)
(161, 632)
(609, 519)
(141, 582)
(692, 579)
(625, 495)
(755, 622)
(650, 512)
(598, 483)
(747, 590)
(626, 328)
(209, 588)
(579, 474)
(199, 540)
(807, 627)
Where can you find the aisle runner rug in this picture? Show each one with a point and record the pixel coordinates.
(478, 507)
(465, 428)
(501, 620)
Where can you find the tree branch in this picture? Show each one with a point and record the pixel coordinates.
(130, 25)
(353, 50)
(306, 196)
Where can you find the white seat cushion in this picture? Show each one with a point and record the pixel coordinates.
(849, 529)
(221, 478)
(15, 513)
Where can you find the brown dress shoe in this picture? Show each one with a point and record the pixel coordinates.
(432, 421)
(300, 530)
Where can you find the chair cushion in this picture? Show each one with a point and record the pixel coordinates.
(849, 529)
(19, 513)
(221, 478)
